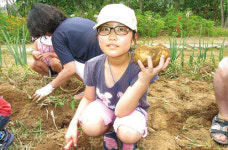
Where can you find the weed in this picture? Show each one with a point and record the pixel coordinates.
(73, 105)
(22, 133)
(53, 100)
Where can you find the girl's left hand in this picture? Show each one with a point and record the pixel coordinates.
(147, 73)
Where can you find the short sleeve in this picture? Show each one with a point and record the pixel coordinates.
(88, 74)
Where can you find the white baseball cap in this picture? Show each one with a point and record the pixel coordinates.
(119, 13)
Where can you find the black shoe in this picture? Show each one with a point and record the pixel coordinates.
(6, 140)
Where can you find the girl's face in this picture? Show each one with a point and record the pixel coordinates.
(115, 39)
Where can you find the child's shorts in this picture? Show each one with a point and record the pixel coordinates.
(136, 120)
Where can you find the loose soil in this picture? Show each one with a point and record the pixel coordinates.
(179, 117)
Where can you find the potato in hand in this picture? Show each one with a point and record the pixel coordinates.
(143, 51)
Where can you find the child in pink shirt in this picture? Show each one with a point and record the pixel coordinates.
(45, 62)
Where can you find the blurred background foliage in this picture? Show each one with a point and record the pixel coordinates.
(155, 17)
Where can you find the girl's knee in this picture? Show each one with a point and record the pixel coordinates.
(96, 118)
(128, 135)
(93, 126)
(133, 125)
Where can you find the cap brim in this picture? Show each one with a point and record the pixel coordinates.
(99, 23)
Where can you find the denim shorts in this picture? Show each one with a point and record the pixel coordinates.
(136, 120)
(3, 121)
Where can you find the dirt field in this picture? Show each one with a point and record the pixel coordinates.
(179, 117)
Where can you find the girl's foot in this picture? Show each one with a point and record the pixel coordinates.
(110, 141)
(128, 146)
(219, 130)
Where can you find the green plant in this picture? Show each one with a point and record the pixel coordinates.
(221, 50)
(219, 31)
(73, 105)
(17, 48)
(55, 100)
(3, 18)
(59, 102)
(22, 133)
(199, 65)
(13, 25)
(149, 23)
(38, 130)
(0, 56)
(177, 51)
(203, 48)
(192, 25)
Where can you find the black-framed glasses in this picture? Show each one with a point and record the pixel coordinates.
(119, 30)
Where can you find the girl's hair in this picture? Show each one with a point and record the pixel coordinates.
(44, 19)
(134, 35)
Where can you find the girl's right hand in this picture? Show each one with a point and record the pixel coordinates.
(147, 73)
(72, 135)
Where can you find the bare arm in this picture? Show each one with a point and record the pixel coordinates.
(36, 45)
(72, 132)
(88, 97)
(129, 101)
(68, 71)
(63, 76)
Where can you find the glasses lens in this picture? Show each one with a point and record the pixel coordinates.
(103, 30)
(121, 30)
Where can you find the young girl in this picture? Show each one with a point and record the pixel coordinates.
(45, 61)
(115, 101)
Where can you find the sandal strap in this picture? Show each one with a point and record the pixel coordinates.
(219, 132)
(220, 121)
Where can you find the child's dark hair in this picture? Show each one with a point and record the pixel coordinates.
(44, 19)
(134, 35)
